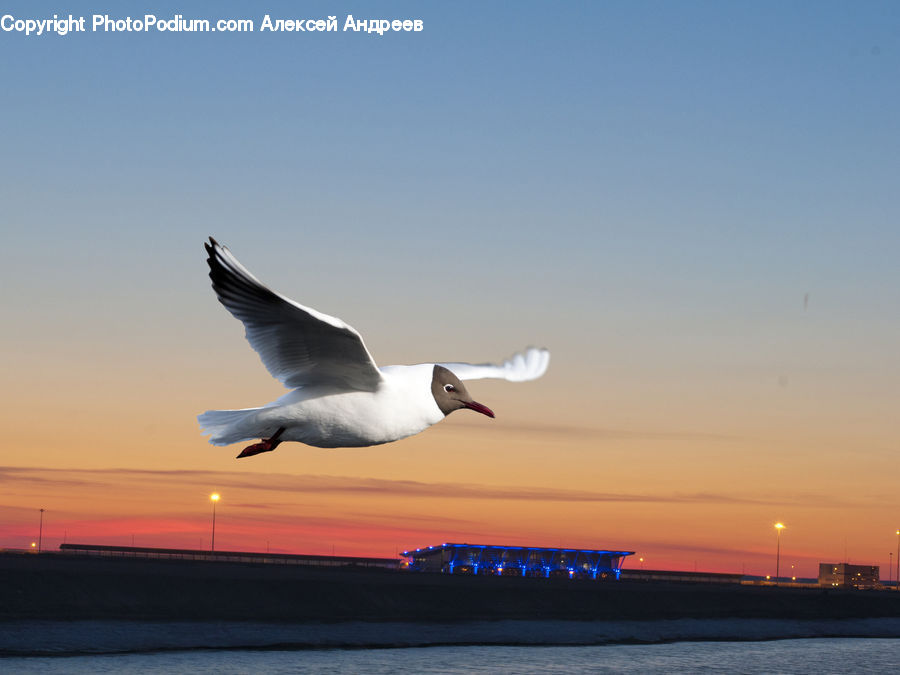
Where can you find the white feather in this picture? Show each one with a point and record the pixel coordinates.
(520, 367)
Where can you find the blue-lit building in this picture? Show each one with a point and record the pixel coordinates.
(523, 561)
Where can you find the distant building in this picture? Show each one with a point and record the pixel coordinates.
(520, 561)
(229, 556)
(844, 575)
(678, 576)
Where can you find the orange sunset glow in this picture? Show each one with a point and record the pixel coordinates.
(682, 500)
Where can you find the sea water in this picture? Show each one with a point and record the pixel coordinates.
(676, 645)
(818, 655)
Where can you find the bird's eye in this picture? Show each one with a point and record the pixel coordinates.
(449, 387)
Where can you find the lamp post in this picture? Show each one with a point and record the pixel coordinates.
(40, 531)
(778, 528)
(898, 560)
(214, 497)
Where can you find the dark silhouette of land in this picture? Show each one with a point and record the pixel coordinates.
(67, 587)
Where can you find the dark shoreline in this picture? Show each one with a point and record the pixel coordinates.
(63, 587)
(38, 638)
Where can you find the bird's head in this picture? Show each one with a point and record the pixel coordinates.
(450, 394)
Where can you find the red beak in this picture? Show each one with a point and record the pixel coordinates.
(477, 407)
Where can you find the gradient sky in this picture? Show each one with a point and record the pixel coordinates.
(693, 205)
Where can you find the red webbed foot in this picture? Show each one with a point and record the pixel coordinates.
(265, 445)
(256, 448)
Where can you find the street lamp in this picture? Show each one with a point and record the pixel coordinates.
(40, 531)
(778, 528)
(214, 497)
(898, 560)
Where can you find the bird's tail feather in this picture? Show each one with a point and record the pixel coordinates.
(227, 426)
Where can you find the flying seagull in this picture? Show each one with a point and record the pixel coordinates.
(339, 397)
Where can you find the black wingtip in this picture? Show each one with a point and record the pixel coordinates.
(211, 257)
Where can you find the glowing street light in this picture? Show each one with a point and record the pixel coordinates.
(214, 497)
(778, 528)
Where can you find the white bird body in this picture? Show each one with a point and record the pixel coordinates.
(340, 398)
(347, 419)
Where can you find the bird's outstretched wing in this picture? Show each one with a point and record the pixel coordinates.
(298, 345)
(517, 368)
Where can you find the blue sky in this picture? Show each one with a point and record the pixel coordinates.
(659, 158)
(690, 125)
